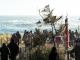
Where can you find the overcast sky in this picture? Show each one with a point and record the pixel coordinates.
(30, 7)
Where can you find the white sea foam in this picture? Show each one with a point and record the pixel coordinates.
(12, 24)
(15, 21)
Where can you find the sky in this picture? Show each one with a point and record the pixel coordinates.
(30, 7)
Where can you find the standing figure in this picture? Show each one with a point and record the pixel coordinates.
(75, 52)
(14, 49)
(15, 38)
(53, 54)
(18, 37)
(76, 33)
(5, 52)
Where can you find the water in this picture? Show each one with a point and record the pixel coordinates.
(11, 24)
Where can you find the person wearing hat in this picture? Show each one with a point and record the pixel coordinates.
(75, 52)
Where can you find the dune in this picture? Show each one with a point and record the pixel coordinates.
(5, 38)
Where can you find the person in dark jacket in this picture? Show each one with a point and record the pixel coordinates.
(53, 54)
(14, 37)
(5, 52)
(75, 52)
(18, 37)
(14, 49)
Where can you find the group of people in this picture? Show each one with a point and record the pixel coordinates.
(74, 53)
(17, 37)
(9, 51)
(73, 35)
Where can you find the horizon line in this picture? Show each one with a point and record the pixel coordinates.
(38, 15)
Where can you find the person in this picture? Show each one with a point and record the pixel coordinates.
(75, 52)
(5, 52)
(14, 37)
(76, 41)
(53, 55)
(18, 36)
(14, 49)
(76, 33)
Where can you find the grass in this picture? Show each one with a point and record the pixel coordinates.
(46, 48)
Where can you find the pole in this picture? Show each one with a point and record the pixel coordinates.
(66, 32)
(67, 37)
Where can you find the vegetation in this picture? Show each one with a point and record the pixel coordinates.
(49, 18)
(38, 42)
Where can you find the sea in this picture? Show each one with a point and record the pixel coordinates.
(12, 24)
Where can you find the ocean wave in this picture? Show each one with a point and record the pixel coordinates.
(19, 22)
(13, 24)
(24, 21)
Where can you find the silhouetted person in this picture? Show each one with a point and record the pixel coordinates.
(15, 38)
(5, 52)
(76, 33)
(73, 35)
(18, 36)
(75, 52)
(53, 54)
(25, 31)
(14, 49)
(24, 36)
